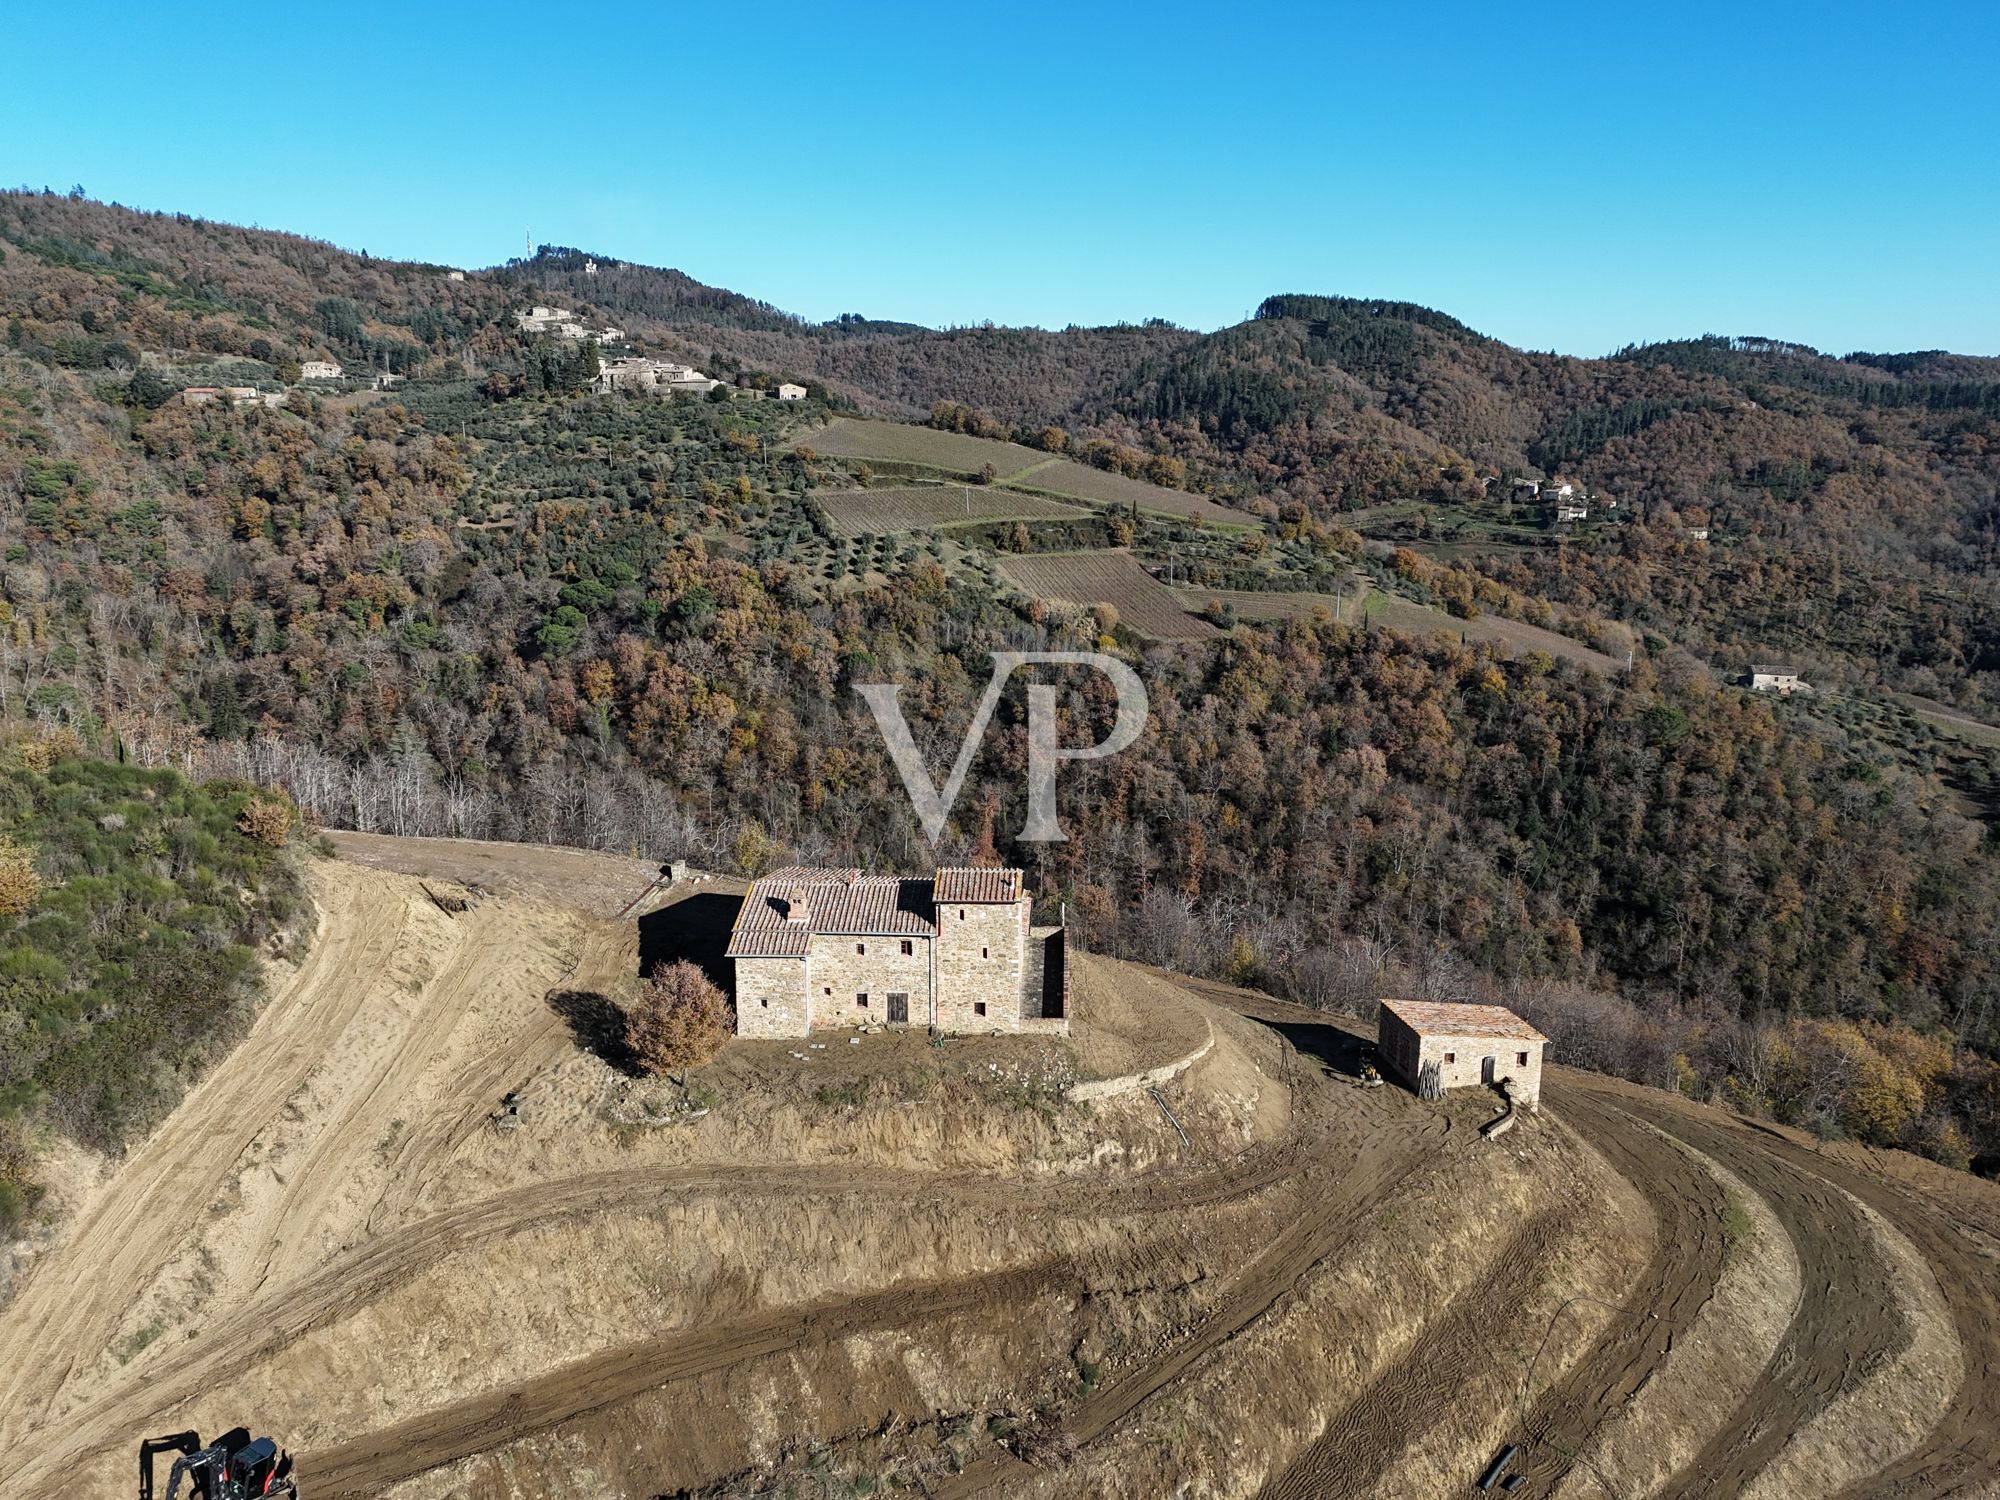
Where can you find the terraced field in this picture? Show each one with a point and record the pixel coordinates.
(1063, 476)
(897, 442)
(924, 507)
(1018, 467)
(1261, 607)
(1951, 721)
(1112, 577)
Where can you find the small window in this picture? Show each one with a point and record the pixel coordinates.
(764, 1004)
(1520, 1059)
(829, 989)
(908, 947)
(961, 914)
(979, 1007)
(860, 947)
(984, 951)
(862, 1001)
(1451, 1057)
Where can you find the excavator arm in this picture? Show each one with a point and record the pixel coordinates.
(187, 1444)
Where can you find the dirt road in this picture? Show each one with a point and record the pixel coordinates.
(71, 1305)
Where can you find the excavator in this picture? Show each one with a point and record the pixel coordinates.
(233, 1467)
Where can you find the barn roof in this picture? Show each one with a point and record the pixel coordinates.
(1438, 1018)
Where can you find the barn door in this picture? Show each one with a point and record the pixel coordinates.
(1486, 1069)
(899, 1008)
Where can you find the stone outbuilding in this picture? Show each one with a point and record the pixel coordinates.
(1434, 1046)
(815, 948)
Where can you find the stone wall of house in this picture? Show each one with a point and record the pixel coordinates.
(1467, 1055)
(982, 952)
(771, 997)
(1396, 1046)
(845, 968)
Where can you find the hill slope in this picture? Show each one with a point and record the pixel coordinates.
(877, 1264)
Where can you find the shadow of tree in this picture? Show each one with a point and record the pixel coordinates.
(597, 1025)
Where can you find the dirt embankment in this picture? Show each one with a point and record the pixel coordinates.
(847, 1263)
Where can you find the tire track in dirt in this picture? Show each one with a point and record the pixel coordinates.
(1353, 1455)
(353, 1280)
(1962, 1451)
(72, 1302)
(1677, 1282)
(605, 954)
(327, 1166)
(369, 1465)
(1271, 1276)
(477, 961)
(1844, 1325)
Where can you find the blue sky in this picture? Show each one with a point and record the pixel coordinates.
(1567, 177)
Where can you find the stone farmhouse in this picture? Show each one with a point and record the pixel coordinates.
(1770, 677)
(318, 369)
(652, 376)
(789, 391)
(819, 948)
(1434, 1046)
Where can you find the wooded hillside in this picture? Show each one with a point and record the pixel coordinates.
(491, 603)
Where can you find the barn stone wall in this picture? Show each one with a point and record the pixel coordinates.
(1467, 1054)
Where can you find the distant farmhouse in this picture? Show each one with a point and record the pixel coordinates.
(1562, 512)
(319, 369)
(1770, 677)
(1697, 533)
(818, 948)
(790, 392)
(656, 376)
(208, 395)
(1434, 1046)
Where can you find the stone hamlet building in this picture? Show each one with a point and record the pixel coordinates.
(1464, 1044)
(818, 948)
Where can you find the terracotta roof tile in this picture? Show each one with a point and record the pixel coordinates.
(974, 886)
(782, 911)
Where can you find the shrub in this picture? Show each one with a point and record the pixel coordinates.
(680, 1020)
(267, 819)
(19, 884)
